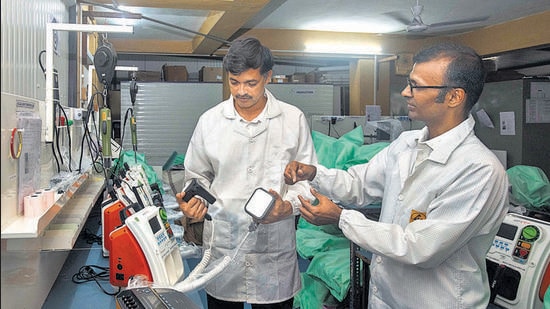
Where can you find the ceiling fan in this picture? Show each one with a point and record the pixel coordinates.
(417, 25)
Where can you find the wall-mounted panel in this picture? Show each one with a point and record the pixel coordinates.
(312, 99)
(536, 143)
(23, 39)
(500, 97)
(166, 113)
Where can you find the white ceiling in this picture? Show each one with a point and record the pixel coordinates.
(390, 15)
(362, 16)
(210, 23)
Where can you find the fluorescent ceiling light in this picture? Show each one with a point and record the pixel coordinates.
(343, 48)
(126, 68)
(352, 25)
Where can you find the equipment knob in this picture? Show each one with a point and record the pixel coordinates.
(530, 233)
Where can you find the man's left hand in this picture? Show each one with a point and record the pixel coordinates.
(322, 213)
(281, 209)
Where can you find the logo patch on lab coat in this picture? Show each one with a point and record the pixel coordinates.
(417, 215)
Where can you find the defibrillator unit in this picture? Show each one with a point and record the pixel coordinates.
(145, 245)
(518, 262)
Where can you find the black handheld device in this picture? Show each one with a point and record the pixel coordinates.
(195, 188)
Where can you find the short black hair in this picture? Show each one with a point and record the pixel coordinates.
(465, 69)
(245, 54)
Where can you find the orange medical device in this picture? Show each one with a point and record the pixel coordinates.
(110, 220)
(126, 258)
(145, 245)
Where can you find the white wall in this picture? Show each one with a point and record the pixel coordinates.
(29, 273)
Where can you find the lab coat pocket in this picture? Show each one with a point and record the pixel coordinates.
(274, 173)
(277, 278)
(226, 235)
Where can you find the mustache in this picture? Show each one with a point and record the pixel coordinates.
(243, 96)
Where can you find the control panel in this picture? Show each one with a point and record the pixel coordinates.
(517, 238)
(153, 298)
(527, 238)
(517, 261)
(152, 231)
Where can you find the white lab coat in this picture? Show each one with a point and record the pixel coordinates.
(233, 160)
(437, 262)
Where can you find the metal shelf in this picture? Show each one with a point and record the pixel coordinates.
(60, 225)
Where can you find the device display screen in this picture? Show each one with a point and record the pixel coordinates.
(507, 231)
(155, 225)
(151, 300)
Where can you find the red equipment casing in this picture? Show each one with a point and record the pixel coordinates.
(126, 258)
(110, 221)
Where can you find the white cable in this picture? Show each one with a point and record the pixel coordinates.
(191, 283)
(204, 261)
(202, 264)
(196, 279)
(205, 258)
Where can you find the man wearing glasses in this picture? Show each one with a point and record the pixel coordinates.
(443, 193)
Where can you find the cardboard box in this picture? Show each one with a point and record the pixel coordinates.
(211, 74)
(313, 77)
(404, 64)
(299, 78)
(175, 73)
(278, 79)
(146, 76)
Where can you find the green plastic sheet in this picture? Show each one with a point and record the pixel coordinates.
(327, 278)
(530, 186)
(314, 296)
(547, 298)
(135, 158)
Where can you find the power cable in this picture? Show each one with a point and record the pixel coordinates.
(89, 273)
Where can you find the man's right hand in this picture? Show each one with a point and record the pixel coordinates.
(296, 171)
(194, 209)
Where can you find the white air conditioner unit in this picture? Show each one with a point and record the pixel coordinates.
(385, 130)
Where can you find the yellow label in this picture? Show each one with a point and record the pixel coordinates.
(417, 215)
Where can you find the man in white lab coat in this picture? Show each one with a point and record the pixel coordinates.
(444, 194)
(239, 145)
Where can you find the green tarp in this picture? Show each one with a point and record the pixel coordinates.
(135, 158)
(530, 186)
(327, 278)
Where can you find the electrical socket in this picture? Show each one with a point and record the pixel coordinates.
(78, 113)
(332, 119)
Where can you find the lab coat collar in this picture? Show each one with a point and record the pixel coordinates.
(444, 145)
(272, 107)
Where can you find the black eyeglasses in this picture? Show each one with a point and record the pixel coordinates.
(427, 87)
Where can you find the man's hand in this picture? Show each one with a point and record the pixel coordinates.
(325, 212)
(296, 171)
(281, 209)
(194, 209)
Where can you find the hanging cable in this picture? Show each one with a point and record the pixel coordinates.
(66, 125)
(40, 62)
(54, 129)
(208, 36)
